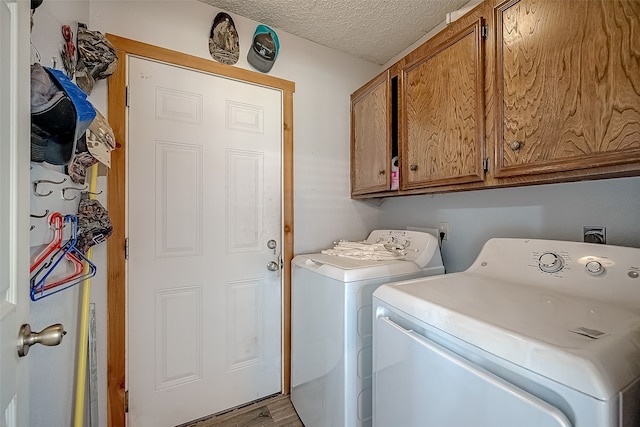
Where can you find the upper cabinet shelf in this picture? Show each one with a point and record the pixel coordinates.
(515, 92)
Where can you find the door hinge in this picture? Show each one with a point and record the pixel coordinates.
(126, 248)
(485, 164)
(126, 401)
(126, 100)
(484, 32)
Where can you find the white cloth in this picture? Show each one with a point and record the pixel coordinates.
(365, 250)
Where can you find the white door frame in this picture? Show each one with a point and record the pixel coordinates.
(14, 210)
(116, 202)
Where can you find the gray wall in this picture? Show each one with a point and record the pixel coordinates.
(324, 79)
(552, 211)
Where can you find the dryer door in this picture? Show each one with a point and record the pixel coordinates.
(417, 382)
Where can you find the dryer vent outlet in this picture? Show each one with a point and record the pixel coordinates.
(593, 234)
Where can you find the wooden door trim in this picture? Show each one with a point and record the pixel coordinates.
(116, 201)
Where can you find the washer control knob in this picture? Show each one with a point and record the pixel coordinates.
(594, 268)
(550, 262)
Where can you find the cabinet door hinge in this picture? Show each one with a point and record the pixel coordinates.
(126, 99)
(126, 248)
(126, 401)
(484, 32)
(485, 164)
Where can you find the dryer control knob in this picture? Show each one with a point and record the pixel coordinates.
(594, 268)
(550, 262)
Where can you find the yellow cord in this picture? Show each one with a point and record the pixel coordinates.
(83, 331)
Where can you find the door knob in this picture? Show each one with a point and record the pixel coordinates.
(272, 266)
(49, 336)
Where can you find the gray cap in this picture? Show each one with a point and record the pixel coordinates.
(264, 49)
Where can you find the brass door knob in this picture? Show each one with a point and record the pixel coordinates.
(515, 145)
(413, 167)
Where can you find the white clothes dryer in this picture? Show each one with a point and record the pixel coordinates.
(536, 333)
(331, 326)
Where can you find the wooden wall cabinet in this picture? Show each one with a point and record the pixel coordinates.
(553, 93)
(371, 137)
(441, 116)
(568, 85)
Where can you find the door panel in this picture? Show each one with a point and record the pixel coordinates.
(204, 198)
(417, 383)
(14, 209)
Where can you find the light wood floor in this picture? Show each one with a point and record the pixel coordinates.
(276, 411)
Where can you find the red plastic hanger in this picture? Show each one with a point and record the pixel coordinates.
(56, 223)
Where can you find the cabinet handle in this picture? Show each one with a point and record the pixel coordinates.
(515, 145)
(413, 167)
(382, 172)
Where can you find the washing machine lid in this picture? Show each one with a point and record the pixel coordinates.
(422, 258)
(354, 270)
(588, 345)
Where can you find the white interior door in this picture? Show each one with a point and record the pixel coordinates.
(14, 209)
(204, 200)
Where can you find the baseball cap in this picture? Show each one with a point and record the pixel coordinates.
(97, 58)
(85, 113)
(223, 40)
(264, 49)
(81, 161)
(53, 120)
(94, 224)
(60, 115)
(101, 140)
(93, 147)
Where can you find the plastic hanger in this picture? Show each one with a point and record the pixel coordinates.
(56, 223)
(40, 288)
(79, 276)
(78, 269)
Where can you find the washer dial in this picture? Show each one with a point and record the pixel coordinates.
(550, 262)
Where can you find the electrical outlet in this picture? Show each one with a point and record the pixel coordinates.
(444, 228)
(594, 234)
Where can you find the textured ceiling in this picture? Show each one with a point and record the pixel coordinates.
(374, 30)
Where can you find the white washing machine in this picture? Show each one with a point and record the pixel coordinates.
(331, 326)
(536, 333)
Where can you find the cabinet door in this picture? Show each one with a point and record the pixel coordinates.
(442, 113)
(567, 85)
(371, 137)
